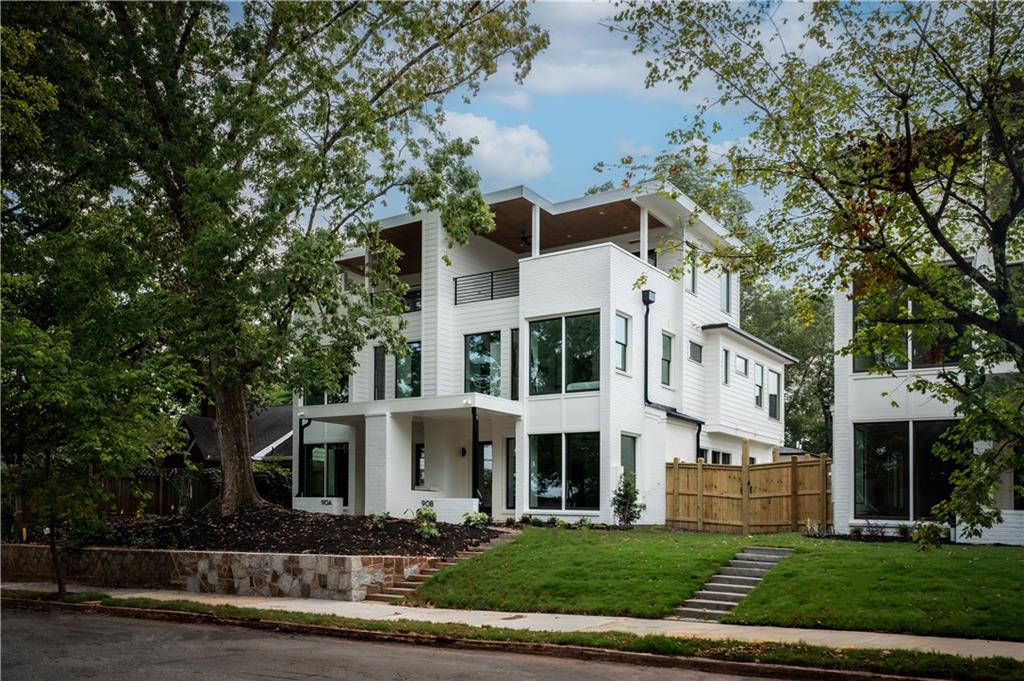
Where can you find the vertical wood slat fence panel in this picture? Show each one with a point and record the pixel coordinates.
(750, 498)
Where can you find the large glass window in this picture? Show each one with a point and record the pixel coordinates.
(483, 363)
(378, 372)
(546, 471)
(880, 468)
(621, 341)
(546, 356)
(774, 394)
(582, 471)
(725, 291)
(341, 395)
(666, 359)
(931, 472)
(759, 385)
(627, 455)
(582, 353)
(407, 372)
(510, 473)
(863, 363)
(514, 362)
(325, 468)
(314, 395)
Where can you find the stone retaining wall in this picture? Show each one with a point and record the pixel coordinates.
(343, 578)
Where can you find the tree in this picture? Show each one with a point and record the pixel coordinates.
(803, 328)
(892, 140)
(247, 152)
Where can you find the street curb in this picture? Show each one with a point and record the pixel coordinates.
(702, 664)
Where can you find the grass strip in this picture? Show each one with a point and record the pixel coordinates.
(895, 662)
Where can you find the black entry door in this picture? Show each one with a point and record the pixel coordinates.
(483, 475)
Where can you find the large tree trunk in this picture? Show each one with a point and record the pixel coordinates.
(238, 489)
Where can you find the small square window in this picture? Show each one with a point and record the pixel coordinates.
(742, 365)
(696, 352)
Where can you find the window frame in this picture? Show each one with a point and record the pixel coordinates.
(725, 292)
(339, 472)
(726, 365)
(778, 395)
(494, 382)
(759, 385)
(623, 437)
(563, 481)
(419, 454)
(699, 359)
(746, 365)
(666, 361)
(514, 363)
(622, 346)
(510, 474)
(380, 379)
(691, 275)
(415, 358)
(563, 352)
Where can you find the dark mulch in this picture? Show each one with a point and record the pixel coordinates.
(273, 529)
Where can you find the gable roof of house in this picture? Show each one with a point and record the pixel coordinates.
(270, 431)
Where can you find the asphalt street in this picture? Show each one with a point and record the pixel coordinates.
(57, 646)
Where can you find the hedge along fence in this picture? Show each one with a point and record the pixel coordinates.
(748, 499)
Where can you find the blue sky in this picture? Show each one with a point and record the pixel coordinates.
(583, 102)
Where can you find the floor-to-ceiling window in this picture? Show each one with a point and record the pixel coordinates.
(565, 471)
(579, 364)
(881, 470)
(931, 472)
(325, 468)
(407, 372)
(510, 473)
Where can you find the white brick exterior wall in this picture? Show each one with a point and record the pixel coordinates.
(589, 277)
(865, 398)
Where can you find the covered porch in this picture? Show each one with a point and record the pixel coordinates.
(454, 453)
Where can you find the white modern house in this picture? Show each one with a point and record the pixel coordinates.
(539, 372)
(883, 471)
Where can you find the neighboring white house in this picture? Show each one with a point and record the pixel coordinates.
(883, 471)
(527, 389)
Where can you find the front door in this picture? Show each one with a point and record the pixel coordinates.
(483, 475)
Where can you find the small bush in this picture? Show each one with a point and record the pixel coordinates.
(85, 530)
(377, 520)
(426, 514)
(903, 531)
(510, 522)
(560, 524)
(584, 523)
(143, 534)
(478, 520)
(814, 529)
(929, 535)
(874, 531)
(536, 522)
(856, 532)
(427, 519)
(625, 503)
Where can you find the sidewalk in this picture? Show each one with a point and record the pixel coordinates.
(368, 610)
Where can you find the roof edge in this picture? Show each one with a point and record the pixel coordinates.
(726, 326)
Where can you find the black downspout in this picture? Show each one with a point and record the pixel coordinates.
(647, 296)
(303, 424)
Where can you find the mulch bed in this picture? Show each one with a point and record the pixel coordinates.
(273, 529)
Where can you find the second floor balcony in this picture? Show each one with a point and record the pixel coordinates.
(483, 286)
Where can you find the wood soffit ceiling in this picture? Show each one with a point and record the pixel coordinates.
(408, 238)
(513, 228)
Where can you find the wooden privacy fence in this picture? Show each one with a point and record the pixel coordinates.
(162, 493)
(748, 499)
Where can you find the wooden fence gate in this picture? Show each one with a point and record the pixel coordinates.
(748, 499)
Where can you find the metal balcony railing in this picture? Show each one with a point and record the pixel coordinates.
(474, 288)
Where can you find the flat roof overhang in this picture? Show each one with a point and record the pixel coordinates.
(441, 407)
(751, 338)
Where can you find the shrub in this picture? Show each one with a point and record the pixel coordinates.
(813, 529)
(478, 520)
(427, 519)
(85, 530)
(274, 483)
(874, 531)
(143, 534)
(536, 522)
(856, 532)
(625, 503)
(560, 524)
(584, 523)
(929, 535)
(903, 531)
(377, 520)
(510, 522)
(426, 514)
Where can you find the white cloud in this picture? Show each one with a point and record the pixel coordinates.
(630, 147)
(515, 153)
(516, 98)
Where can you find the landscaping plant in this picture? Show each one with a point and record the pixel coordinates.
(625, 502)
(476, 519)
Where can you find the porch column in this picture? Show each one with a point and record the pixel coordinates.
(375, 463)
(643, 234)
(535, 231)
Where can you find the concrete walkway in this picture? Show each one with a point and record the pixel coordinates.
(592, 623)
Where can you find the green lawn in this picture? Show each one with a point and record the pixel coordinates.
(952, 591)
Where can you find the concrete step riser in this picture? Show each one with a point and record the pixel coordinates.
(735, 579)
(751, 564)
(725, 596)
(724, 587)
(759, 558)
(769, 551)
(742, 572)
(722, 606)
(697, 614)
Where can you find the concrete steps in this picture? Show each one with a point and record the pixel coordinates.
(400, 589)
(731, 584)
